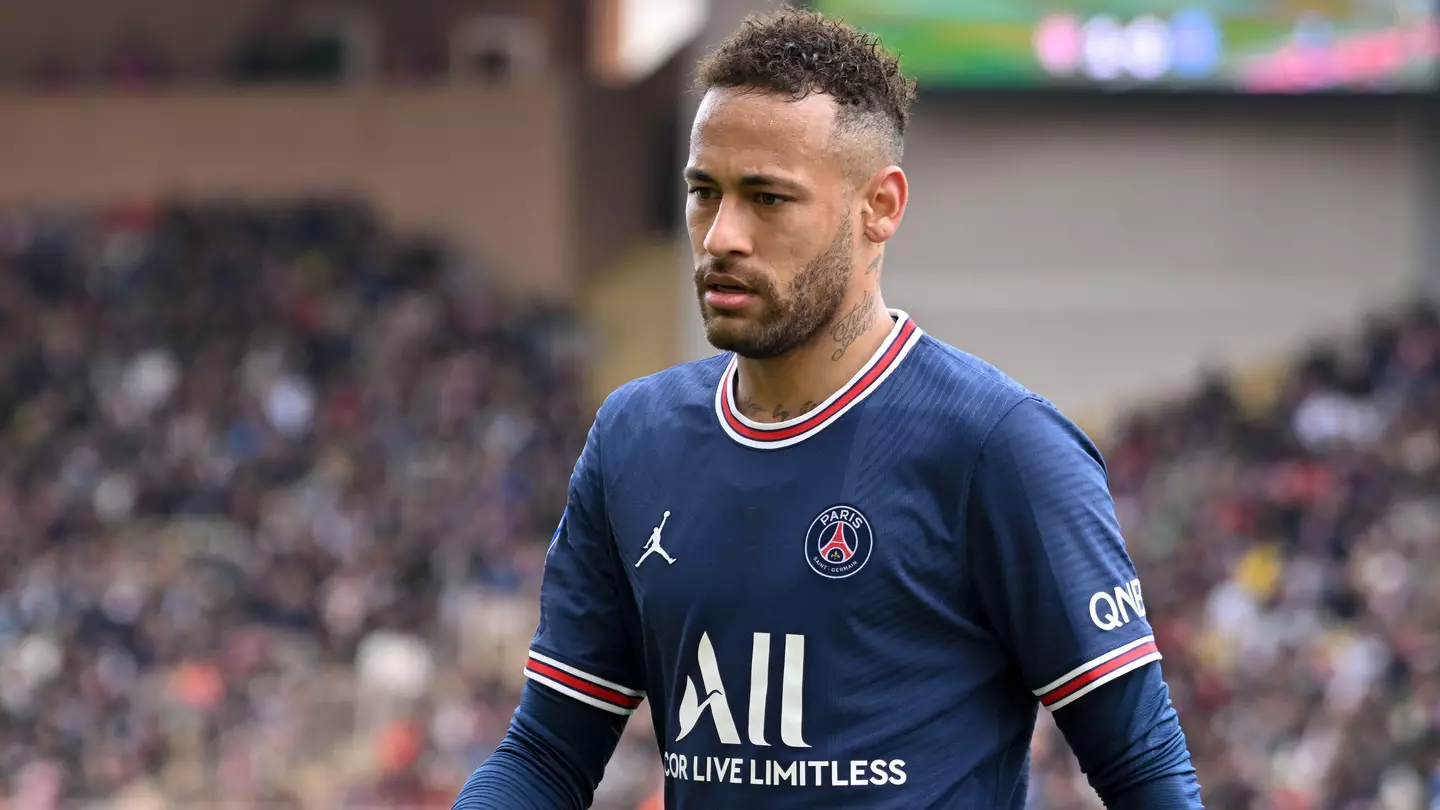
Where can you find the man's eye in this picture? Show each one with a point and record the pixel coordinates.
(702, 192)
(768, 199)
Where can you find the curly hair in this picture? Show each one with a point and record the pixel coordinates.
(797, 52)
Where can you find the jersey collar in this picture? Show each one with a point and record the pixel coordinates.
(774, 435)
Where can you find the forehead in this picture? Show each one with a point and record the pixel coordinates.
(745, 130)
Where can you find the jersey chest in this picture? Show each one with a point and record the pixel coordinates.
(786, 602)
(726, 542)
(724, 538)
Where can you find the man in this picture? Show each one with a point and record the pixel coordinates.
(881, 554)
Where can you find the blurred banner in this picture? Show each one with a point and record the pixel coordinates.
(1247, 46)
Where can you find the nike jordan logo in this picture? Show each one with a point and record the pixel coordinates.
(652, 546)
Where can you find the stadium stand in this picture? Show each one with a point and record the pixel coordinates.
(274, 484)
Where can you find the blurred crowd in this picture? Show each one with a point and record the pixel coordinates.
(1290, 556)
(274, 489)
(290, 44)
(275, 484)
(273, 53)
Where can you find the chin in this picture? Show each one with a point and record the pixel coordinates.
(725, 332)
(734, 334)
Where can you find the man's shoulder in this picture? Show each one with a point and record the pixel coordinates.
(652, 401)
(989, 407)
(961, 388)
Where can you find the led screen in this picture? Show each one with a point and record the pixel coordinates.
(1246, 46)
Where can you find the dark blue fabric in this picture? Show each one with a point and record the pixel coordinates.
(551, 759)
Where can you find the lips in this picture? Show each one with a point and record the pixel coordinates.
(726, 283)
(725, 293)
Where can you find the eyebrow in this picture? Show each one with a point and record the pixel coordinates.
(746, 181)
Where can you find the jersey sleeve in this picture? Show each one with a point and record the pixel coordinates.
(1048, 560)
(583, 671)
(586, 646)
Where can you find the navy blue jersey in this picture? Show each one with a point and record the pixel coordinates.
(863, 607)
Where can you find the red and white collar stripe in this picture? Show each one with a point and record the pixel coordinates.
(771, 436)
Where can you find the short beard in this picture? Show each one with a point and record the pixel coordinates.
(790, 320)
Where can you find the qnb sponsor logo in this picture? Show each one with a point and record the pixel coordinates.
(710, 699)
(1113, 610)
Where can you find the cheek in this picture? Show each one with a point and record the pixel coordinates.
(697, 222)
(796, 241)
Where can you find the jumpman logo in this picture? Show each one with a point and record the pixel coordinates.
(653, 545)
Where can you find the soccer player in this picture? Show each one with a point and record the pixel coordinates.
(845, 562)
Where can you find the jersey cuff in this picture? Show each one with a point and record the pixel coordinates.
(582, 686)
(1097, 672)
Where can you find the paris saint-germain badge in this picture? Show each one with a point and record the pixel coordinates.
(839, 542)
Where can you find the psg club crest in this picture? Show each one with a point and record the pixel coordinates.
(839, 542)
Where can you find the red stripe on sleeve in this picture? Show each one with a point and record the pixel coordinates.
(581, 685)
(1084, 679)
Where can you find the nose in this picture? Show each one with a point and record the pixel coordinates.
(728, 234)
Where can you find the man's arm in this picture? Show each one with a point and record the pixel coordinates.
(583, 671)
(551, 759)
(1130, 745)
(1050, 569)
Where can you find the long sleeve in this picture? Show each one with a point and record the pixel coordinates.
(1130, 744)
(551, 759)
(1062, 595)
(583, 671)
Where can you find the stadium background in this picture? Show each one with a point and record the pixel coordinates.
(304, 309)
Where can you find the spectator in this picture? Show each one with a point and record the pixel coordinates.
(136, 62)
(54, 72)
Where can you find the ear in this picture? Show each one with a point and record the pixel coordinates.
(884, 204)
